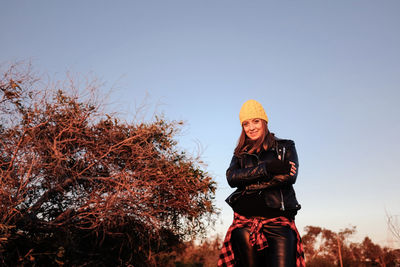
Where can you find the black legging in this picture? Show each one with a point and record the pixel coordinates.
(281, 250)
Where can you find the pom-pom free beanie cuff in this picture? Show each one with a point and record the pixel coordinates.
(252, 109)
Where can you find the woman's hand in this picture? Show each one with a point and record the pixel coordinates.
(293, 168)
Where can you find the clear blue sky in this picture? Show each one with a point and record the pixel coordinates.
(327, 73)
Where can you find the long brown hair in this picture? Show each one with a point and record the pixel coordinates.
(246, 145)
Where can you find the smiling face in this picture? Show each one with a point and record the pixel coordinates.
(254, 128)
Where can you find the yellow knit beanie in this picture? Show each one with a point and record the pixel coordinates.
(251, 109)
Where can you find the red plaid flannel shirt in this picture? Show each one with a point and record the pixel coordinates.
(257, 238)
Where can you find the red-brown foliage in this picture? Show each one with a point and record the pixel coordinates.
(75, 183)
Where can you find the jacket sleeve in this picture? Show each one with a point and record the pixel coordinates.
(239, 177)
(290, 155)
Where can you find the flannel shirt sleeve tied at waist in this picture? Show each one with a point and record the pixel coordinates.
(257, 237)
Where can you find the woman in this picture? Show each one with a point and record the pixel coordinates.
(263, 169)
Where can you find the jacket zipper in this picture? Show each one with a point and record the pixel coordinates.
(282, 202)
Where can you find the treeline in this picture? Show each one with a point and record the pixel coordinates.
(324, 247)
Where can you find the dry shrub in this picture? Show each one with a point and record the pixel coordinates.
(80, 187)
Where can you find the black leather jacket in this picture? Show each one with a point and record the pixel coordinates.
(248, 173)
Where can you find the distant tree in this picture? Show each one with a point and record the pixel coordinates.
(391, 257)
(323, 246)
(204, 254)
(79, 187)
(356, 251)
(311, 241)
(374, 253)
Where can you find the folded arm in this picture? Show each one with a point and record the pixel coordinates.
(271, 173)
(239, 177)
(290, 176)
